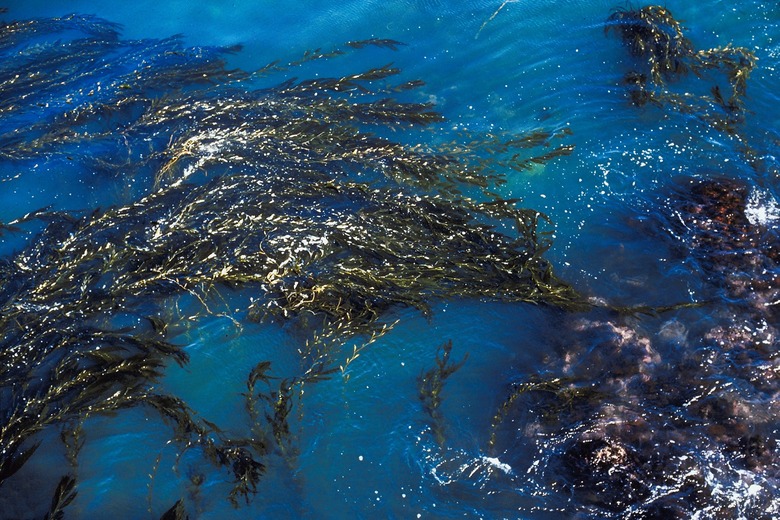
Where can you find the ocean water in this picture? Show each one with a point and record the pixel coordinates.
(657, 399)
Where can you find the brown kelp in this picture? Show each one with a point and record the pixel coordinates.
(431, 384)
(292, 199)
(664, 54)
(63, 495)
(652, 34)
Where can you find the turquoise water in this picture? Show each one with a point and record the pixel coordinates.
(682, 404)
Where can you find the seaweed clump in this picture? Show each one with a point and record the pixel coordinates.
(652, 34)
(657, 40)
(430, 385)
(289, 199)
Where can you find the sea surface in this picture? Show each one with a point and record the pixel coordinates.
(655, 398)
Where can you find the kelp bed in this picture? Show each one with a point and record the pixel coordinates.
(293, 198)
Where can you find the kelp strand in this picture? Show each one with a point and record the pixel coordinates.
(430, 385)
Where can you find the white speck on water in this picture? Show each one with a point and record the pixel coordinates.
(493, 461)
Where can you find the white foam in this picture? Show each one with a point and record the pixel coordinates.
(762, 209)
(494, 462)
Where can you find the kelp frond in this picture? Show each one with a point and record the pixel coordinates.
(651, 33)
(657, 40)
(554, 396)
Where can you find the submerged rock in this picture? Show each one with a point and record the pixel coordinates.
(674, 419)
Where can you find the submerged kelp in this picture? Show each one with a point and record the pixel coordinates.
(665, 55)
(431, 384)
(634, 423)
(290, 197)
(674, 418)
(652, 34)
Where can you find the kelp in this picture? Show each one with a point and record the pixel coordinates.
(377, 42)
(430, 385)
(176, 512)
(664, 54)
(652, 34)
(554, 396)
(293, 197)
(318, 54)
(63, 495)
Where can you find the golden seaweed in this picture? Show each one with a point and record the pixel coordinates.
(294, 196)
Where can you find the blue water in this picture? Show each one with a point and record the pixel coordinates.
(363, 445)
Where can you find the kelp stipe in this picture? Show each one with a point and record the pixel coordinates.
(495, 13)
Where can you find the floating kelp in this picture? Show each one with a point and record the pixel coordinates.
(292, 197)
(652, 34)
(657, 40)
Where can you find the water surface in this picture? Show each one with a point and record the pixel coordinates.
(679, 403)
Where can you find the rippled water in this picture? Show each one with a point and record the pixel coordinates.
(553, 414)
